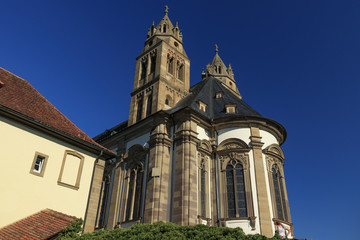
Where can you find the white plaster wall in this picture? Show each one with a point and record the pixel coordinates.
(254, 191)
(202, 133)
(267, 138)
(141, 140)
(240, 133)
(244, 224)
(22, 193)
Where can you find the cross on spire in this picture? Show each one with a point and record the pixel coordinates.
(216, 49)
(166, 10)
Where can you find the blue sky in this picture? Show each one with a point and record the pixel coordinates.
(297, 62)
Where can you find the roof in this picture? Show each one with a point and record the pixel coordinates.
(205, 91)
(42, 225)
(109, 132)
(20, 96)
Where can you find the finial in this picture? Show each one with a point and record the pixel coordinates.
(216, 49)
(177, 24)
(166, 10)
(153, 24)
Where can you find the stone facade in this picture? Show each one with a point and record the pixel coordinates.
(204, 157)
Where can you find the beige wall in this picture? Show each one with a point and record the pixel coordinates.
(23, 193)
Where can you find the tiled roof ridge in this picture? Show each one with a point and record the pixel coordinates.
(76, 132)
(57, 214)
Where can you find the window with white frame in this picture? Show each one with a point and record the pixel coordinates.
(38, 165)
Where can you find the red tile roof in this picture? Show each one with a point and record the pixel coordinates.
(18, 95)
(41, 225)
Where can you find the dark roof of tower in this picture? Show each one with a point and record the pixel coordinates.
(205, 91)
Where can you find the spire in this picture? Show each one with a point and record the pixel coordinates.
(218, 69)
(165, 27)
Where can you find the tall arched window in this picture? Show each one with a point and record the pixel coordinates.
(235, 180)
(274, 159)
(279, 194)
(236, 190)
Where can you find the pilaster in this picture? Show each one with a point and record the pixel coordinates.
(156, 201)
(185, 191)
(262, 196)
(93, 204)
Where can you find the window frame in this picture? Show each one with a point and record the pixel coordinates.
(274, 159)
(43, 166)
(135, 164)
(229, 150)
(76, 186)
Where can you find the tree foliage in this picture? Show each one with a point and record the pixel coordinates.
(162, 230)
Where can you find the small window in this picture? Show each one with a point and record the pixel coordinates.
(176, 44)
(219, 95)
(39, 164)
(230, 108)
(202, 106)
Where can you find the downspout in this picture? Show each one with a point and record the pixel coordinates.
(144, 188)
(172, 156)
(218, 200)
(121, 193)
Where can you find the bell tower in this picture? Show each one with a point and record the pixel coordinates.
(162, 73)
(218, 69)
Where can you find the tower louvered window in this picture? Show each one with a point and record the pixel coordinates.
(149, 105)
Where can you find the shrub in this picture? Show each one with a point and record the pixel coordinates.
(162, 230)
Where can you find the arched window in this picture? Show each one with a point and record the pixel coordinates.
(274, 158)
(164, 28)
(219, 69)
(236, 190)
(279, 194)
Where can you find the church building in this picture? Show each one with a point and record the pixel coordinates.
(192, 155)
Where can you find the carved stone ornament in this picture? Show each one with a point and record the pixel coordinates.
(234, 158)
(273, 161)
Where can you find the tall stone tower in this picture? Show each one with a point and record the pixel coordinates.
(162, 73)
